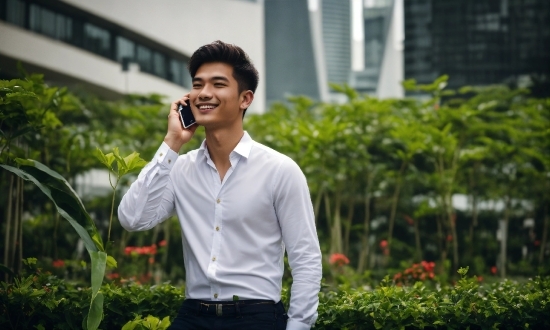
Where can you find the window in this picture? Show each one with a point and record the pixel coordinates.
(125, 50)
(97, 40)
(144, 58)
(15, 12)
(159, 65)
(179, 74)
(49, 23)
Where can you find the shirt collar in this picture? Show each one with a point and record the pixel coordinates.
(243, 147)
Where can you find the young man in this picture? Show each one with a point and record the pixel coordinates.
(239, 203)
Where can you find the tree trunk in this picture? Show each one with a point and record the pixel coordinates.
(336, 231)
(347, 225)
(473, 225)
(417, 241)
(364, 253)
(395, 199)
(452, 224)
(317, 204)
(55, 227)
(544, 235)
(328, 212)
(442, 247)
(20, 240)
(7, 234)
(504, 238)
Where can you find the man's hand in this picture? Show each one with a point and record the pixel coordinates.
(177, 136)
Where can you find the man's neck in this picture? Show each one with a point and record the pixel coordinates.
(220, 144)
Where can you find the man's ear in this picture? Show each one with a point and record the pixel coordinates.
(246, 99)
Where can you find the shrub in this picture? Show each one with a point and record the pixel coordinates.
(43, 301)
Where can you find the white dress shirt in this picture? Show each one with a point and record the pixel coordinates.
(235, 231)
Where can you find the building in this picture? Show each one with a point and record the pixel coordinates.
(293, 50)
(308, 45)
(114, 47)
(382, 73)
(478, 42)
(336, 17)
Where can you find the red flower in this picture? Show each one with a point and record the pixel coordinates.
(162, 243)
(58, 263)
(151, 260)
(480, 278)
(449, 238)
(383, 243)
(338, 259)
(428, 266)
(113, 276)
(537, 243)
(409, 220)
(494, 270)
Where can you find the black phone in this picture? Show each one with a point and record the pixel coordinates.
(186, 115)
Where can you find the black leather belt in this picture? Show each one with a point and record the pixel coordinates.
(220, 308)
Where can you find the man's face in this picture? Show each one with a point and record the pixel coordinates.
(215, 97)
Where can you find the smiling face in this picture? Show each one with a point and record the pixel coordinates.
(215, 97)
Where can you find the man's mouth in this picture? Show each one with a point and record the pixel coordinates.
(205, 107)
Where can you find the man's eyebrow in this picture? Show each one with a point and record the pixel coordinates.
(212, 78)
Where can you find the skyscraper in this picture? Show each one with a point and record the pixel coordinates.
(308, 44)
(291, 51)
(336, 16)
(477, 42)
(383, 49)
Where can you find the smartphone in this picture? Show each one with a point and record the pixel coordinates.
(186, 116)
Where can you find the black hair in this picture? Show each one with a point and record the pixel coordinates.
(244, 71)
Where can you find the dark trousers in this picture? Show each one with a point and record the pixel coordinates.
(220, 315)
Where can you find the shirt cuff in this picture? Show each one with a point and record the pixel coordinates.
(296, 325)
(166, 156)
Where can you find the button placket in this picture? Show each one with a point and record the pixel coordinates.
(214, 253)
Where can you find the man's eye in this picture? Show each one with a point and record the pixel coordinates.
(219, 84)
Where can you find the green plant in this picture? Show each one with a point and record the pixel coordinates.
(119, 166)
(147, 323)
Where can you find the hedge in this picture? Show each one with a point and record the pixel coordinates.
(42, 301)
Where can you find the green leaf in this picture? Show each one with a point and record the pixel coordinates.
(134, 162)
(95, 313)
(165, 323)
(121, 163)
(111, 262)
(65, 199)
(99, 261)
(5, 269)
(105, 159)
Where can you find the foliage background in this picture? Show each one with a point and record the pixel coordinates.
(382, 174)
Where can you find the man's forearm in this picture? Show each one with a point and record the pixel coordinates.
(144, 204)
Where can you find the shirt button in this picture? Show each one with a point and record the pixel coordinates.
(169, 161)
(214, 259)
(217, 228)
(161, 154)
(218, 201)
(215, 295)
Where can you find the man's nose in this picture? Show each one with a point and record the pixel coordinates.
(205, 93)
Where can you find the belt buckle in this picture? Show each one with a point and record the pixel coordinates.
(219, 309)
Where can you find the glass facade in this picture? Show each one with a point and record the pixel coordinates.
(74, 27)
(337, 39)
(477, 42)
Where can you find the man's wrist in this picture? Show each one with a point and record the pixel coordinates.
(174, 144)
